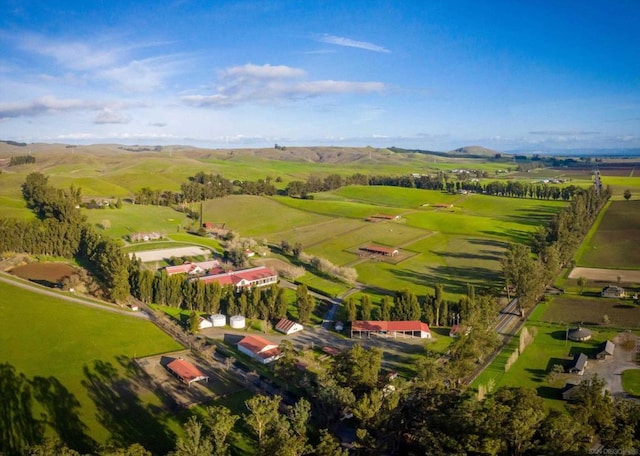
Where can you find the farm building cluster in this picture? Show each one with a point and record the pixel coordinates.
(212, 271)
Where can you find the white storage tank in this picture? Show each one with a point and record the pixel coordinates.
(237, 322)
(218, 320)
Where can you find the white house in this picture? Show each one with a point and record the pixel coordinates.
(288, 327)
(259, 349)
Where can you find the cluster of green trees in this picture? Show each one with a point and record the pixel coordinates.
(61, 230)
(472, 309)
(22, 160)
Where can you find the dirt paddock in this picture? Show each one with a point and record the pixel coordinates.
(220, 383)
(606, 275)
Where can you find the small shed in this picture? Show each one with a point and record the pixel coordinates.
(580, 361)
(605, 350)
(288, 327)
(579, 334)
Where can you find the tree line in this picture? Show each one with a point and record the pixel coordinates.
(60, 229)
(529, 270)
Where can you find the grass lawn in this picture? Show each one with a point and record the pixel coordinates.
(81, 357)
(631, 381)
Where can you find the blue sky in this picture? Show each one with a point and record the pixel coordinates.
(509, 75)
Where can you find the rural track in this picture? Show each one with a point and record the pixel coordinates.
(12, 280)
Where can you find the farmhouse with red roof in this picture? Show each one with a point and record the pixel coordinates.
(254, 277)
(194, 268)
(390, 329)
(259, 349)
(186, 372)
(288, 327)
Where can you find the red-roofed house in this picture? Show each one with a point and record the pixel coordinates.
(254, 277)
(186, 372)
(259, 349)
(193, 268)
(288, 326)
(390, 329)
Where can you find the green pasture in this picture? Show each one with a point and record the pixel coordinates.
(524, 210)
(631, 381)
(309, 235)
(344, 249)
(137, 218)
(456, 222)
(395, 196)
(326, 286)
(613, 240)
(333, 208)
(619, 184)
(452, 261)
(256, 216)
(84, 356)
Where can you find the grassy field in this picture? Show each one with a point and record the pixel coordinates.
(613, 242)
(135, 218)
(591, 310)
(631, 382)
(78, 362)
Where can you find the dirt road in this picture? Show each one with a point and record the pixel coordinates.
(6, 278)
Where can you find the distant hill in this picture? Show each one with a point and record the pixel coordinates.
(474, 151)
(462, 152)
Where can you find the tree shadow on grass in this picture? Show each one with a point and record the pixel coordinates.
(62, 410)
(122, 413)
(18, 427)
(453, 279)
(549, 392)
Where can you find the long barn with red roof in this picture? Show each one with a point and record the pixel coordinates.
(394, 329)
(254, 277)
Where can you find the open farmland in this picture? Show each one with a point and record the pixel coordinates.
(614, 241)
(452, 245)
(78, 360)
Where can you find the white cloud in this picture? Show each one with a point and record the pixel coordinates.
(109, 116)
(267, 83)
(347, 42)
(267, 71)
(44, 105)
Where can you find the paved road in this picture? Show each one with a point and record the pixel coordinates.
(12, 280)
